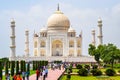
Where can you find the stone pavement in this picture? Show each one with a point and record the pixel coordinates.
(52, 75)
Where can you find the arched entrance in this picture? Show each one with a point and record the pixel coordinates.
(57, 48)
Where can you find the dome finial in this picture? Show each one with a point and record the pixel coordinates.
(58, 7)
(12, 20)
(100, 20)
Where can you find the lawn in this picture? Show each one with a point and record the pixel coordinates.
(103, 70)
(75, 70)
(75, 77)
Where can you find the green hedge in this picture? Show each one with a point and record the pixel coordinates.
(96, 72)
(79, 66)
(83, 72)
(110, 72)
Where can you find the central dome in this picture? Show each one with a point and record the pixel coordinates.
(58, 21)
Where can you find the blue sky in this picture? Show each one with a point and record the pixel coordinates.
(83, 15)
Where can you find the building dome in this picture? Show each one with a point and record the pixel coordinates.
(43, 30)
(71, 29)
(58, 21)
(35, 35)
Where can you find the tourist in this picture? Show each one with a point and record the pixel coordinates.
(23, 75)
(46, 72)
(0, 78)
(27, 75)
(14, 77)
(37, 74)
(18, 77)
(7, 76)
(59, 66)
(43, 73)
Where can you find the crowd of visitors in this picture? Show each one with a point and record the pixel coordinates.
(19, 76)
(41, 72)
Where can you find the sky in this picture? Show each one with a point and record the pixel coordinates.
(33, 15)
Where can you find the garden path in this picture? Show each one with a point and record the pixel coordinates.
(52, 75)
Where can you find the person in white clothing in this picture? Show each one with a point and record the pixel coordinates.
(43, 73)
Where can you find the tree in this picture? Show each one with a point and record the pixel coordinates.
(28, 67)
(24, 65)
(21, 66)
(91, 50)
(33, 65)
(108, 53)
(99, 51)
(1, 69)
(17, 67)
(111, 54)
(96, 52)
(6, 67)
(12, 67)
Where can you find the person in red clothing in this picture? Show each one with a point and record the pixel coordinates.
(37, 74)
(18, 77)
(14, 77)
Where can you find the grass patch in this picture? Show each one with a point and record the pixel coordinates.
(75, 77)
(75, 70)
(32, 72)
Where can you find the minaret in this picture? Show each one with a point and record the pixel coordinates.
(58, 8)
(27, 43)
(100, 36)
(93, 37)
(12, 37)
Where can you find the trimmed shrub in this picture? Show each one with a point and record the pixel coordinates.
(118, 71)
(17, 67)
(28, 67)
(68, 76)
(33, 68)
(87, 66)
(96, 72)
(12, 67)
(70, 69)
(110, 72)
(78, 66)
(46, 63)
(94, 66)
(22, 66)
(71, 66)
(83, 72)
(6, 67)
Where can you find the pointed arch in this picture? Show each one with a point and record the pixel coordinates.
(35, 44)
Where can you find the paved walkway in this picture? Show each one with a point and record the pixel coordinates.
(52, 75)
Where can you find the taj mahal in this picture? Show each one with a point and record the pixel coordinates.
(56, 41)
